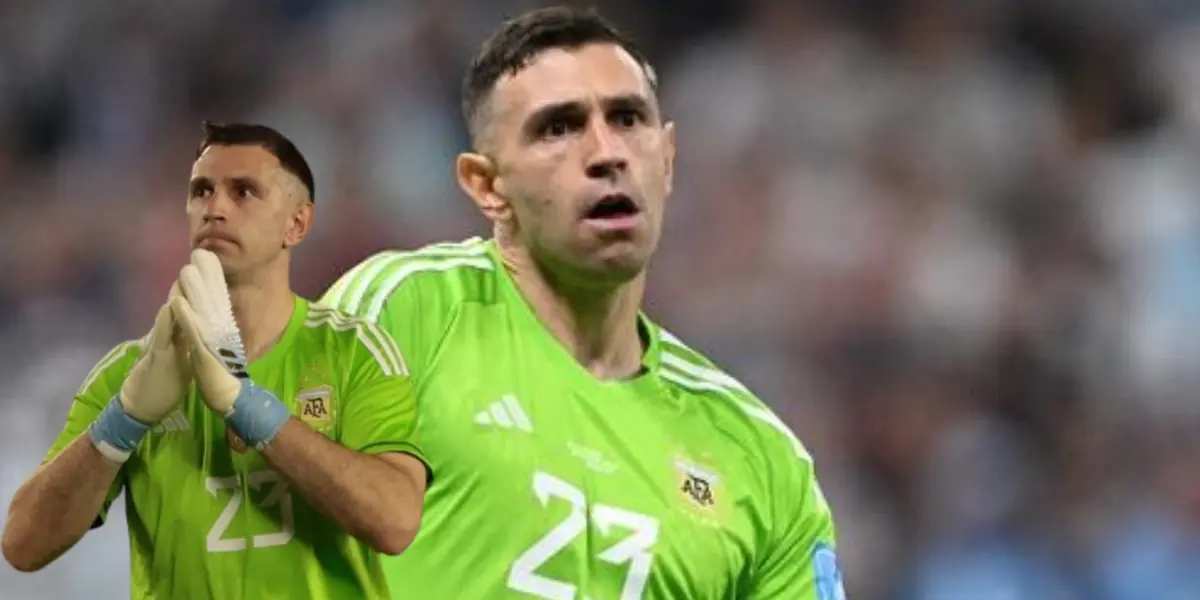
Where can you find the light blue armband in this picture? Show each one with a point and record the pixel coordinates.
(116, 434)
(257, 415)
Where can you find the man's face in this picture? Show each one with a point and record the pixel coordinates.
(584, 158)
(244, 207)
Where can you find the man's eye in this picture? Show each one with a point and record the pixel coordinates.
(243, 191)
(557, 129)
(627, 118)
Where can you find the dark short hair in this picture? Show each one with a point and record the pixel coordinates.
(250, 134)
(519, 40)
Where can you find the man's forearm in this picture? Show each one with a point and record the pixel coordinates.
(371, 499)
(57, 505)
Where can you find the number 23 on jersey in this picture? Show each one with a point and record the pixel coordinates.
(277, 497)
(634, 551)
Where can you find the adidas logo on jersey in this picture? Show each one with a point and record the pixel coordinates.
(172, 423)
(505, 413)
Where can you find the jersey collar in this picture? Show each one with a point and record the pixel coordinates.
(283, 347)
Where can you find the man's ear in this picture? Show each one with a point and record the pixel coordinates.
(476, 175)
(300, 224)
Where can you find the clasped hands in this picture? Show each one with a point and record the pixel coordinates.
(195, 339)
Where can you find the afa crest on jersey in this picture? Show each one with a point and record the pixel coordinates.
(698, 486)
(698, 489)
(315, 407)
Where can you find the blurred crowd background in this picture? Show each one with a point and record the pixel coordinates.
(955, 243)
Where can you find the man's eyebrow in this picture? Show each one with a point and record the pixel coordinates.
(634, 102)
(238, 180)
(556, 110)
(198, 182)
(569, 109)
(245, 180)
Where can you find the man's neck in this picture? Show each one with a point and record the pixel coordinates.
(598, 326)
(262, 307)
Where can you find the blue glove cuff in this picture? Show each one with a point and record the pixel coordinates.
(257, 415)
(116, 434)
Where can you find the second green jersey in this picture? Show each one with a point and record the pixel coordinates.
(209, 518)
(677, 484)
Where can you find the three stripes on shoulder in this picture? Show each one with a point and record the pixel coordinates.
(685, 372)
(355, 294)
(381, 346)
(113, 357)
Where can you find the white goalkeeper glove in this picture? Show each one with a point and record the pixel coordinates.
(218, 358)
(154, 387)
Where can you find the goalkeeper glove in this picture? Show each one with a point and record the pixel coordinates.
(154, 387)
(218, 357)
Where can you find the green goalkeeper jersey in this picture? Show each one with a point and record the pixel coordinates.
(677, 484)
(208, 518)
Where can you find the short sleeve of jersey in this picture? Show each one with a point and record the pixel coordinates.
(102, 383)
(417, 314)
(800, 558)
(380, 410)
(402, 294)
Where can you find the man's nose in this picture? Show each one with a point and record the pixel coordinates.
(217, 207)
(608, 159)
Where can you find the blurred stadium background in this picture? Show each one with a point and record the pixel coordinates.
(956, 243)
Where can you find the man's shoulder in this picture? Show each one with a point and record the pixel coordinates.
(115, 363)
(346, 339)
(436, 274)
(728, 400)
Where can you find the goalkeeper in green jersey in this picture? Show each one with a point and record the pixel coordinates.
(581, 450)
(266, 446)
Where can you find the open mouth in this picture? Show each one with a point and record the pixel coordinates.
(613, 206)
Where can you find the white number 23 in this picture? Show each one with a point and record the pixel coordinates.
(276, 496)
(634, 550)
